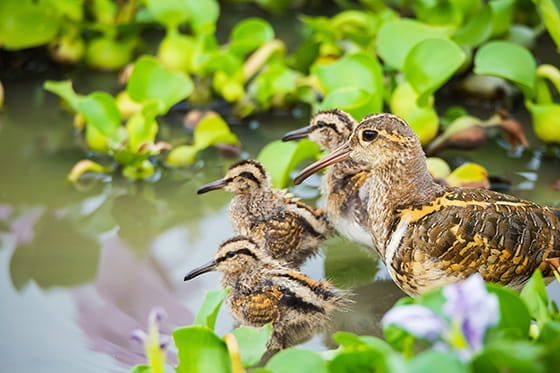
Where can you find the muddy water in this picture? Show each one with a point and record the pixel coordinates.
(80, 267)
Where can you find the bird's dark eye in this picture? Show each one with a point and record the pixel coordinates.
(369, 135)
(321, 124)
(230, 254)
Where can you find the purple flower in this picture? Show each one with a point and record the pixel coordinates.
(417, 320)
(470, 309)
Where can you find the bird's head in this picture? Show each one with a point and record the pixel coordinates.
(243, 177)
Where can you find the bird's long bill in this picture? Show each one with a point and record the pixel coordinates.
(218, 184)
(297, 134)
(337, 155)
(200, 270)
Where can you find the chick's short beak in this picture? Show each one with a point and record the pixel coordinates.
(337, 155)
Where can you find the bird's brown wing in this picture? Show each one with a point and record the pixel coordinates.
(258, 306)
(473, 230)
(283, 234)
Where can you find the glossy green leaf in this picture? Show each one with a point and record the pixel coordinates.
(545, 121)
(395, 39)
(139, 171)
(274, 80)
(425, 122)
(438, 12)
(84, 166)
(512, 323)
(280, 158)
(64, 89)
(297, 360)
(142, 368)
(356, 102)
(142, 127)
(550, 10)
(509, 356)
(200, 351)
(356, 71)
(250, 34)
(429, 64)
(467, 175)
(477, 29)
(182, 155)
(170, 13)
(346, 340)
(26, 23)
(203, 14)
(252, 343)
(208, 311)
(508, 61)
(101, 111)
(535, 297)
(150, 81)
(211, 130)
(502, 15)
(434, 361)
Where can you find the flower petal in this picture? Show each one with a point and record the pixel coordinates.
(417, 320)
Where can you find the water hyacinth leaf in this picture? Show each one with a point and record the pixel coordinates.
(514, 324)
(84, 166)
(435, 361)
(356, 102)
(502, 15)
(429, 64)
(101, 112)
(64, 89)
(362, 359)
(200, 350)
(469, 175)
(464, 132)
(250, 34)
(477, 29)
(208, 312)
(139, 170)
(252, 343)
(346, 340)
(508, 61)
(280, 158)
(395, 39)
(211, 130)
(509, 356)
(276, 79)
(150, 81)
(203, 14)
(25, 24)
(425, 122)
(182, 155)
(535, 297)
(142, 127)
(142, 368)
(550, 11)
(170, 13)
(297, 360)
(438, 168)
(545, 121)
(356, 71)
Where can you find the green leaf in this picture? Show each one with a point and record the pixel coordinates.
(182, 155)
(550, 11)
(476, 30)
(84, 166)
(207, 313)
(514, 316)
(509, 356)
(200, 350)
(142, 127)
(139, 170)
(502, 15)
(356, 102)
(250, 34)
(535, 297)
(545, 121)
(508, 61)
(434, 361)
(150, 81)
(298, 360)
(431, 63)
(26, 23)
(356, 71)
(347, 340)
(101, 111)
(142, 368)
(170, 13)
(252, 343)
(280, 158)
(64, 89)
(395, 39)
(211, 130)
(203, 14)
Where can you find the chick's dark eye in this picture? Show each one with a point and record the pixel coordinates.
(321, 124)
(369, 135)
(230, 254)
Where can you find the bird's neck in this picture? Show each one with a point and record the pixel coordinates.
(394, 186)
(253, 203)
